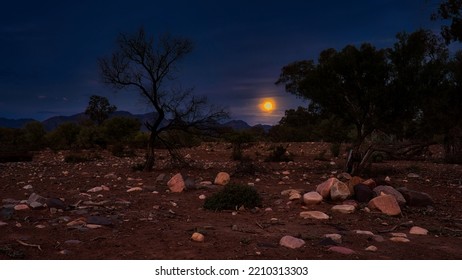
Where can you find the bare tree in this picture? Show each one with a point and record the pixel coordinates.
(150, 66)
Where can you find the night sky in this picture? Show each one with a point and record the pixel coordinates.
(49, 49)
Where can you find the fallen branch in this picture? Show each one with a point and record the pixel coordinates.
(28, 245)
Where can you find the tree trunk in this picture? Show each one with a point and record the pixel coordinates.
(150, 157)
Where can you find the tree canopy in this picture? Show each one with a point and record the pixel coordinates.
(150, 67)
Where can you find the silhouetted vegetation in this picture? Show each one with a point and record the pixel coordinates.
(149, 67)
(232, 197)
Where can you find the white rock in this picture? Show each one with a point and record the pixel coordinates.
(372, 248)
(337, 238)
(291, 242)
(339, 191)
(364, 232)
(135, 189)
(345, 209)
(28, 187)
(400, 239)
(314, 215)
(202, 197)
(418, 231)
(312, 198)
(398, 234)
(295, 196)
(3, 223)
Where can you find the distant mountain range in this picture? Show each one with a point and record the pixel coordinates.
(53, 122)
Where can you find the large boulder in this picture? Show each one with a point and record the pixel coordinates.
(324, 189)
(387, 204)
(391, 191)
(339, 192)
(176, 184)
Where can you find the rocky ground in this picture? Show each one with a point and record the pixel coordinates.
(102, 209)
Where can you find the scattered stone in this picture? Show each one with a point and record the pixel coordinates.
(413, 175)
(222, 179)
(337, 238)
(400, 239)
(9, 201)
(99, 220)
(353, 182)
(295, 196)
(314, 215)
(93, 226)
(344, 176)
(364, 232)
(3, 223)
(387, 204)
(110, 176)
(40, 226)
(378, 238)
(198, 237)
(341, 250)
(176, 183)
(161, 177)
(21, 207)
(345, 209)
(370, 183)
(324, 188)
(418, 230)
(202, 197)
(28, 187)
(36, 198)
(98, 189)
(56, 203)
(398, 234)
(415, 198)
(72, 242)
(135, 189)
(291, 242)
(363, 193)
(289, 192)
(36, 205)
(77, 222)
(371, 248)
(312, 198)
(189, 183)
(339, 191)
(391, 191)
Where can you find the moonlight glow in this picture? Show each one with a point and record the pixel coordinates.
(267, 105)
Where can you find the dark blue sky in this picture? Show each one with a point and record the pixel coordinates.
(49, 49)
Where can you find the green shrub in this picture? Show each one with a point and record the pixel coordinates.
(232, 197)
(279, 154)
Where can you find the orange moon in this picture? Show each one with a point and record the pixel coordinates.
(268, 105)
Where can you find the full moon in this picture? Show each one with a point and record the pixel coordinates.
(268, 105)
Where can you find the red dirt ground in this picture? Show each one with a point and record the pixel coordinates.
(159, 224)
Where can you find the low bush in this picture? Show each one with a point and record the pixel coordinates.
(279, 154)
(232, 197)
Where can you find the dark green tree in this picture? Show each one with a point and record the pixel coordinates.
(149, 67)
(99, 109)
(450, 10)
(351, 84)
